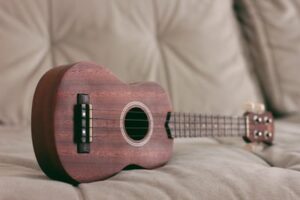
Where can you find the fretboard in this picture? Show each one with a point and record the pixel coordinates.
(196, 125)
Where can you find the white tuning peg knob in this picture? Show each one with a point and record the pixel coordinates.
(259, 108)
(250, 107)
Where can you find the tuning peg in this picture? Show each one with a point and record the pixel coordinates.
(250, 107)
(259, 108)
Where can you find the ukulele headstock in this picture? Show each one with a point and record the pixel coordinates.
(259, 123)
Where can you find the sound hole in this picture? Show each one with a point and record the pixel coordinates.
(136, 123)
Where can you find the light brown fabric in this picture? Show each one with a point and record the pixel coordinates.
(199, 169)
(273, 34)
(191, 47)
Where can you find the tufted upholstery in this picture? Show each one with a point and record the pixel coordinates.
(273, 39)
(192, 48)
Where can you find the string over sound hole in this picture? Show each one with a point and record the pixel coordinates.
(136, 123)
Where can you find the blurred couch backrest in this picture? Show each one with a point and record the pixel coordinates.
(272, 33)
(192, 48)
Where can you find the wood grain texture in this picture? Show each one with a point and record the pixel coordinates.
(53, 129)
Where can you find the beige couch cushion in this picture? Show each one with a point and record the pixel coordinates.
(273, 34)
(199, 169)
(191, 47)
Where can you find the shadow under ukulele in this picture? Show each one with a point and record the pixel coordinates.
(87, 125)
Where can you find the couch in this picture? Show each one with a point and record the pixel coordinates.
(212, 56)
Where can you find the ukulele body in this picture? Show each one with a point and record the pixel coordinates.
(111, 149)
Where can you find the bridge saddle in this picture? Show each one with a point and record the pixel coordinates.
(83, 123)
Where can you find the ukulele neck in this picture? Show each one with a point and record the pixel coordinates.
(197, 125)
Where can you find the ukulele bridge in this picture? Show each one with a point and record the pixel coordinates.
(83, 123)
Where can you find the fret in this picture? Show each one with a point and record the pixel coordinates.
(196, 125)
(183, 125)
(186, 120)
(211, 128)
(238, 126)
(180, 125)
(186, 123)
(175, 124)
(206, 121)
(189, 125)
(209, 125)
(218, 127)
(184, 129)
(181, 129)
(214, 126)
(192, 125)
(204, 125)
(226, 126)
(224, 118)
(199, 124)
(230, 126)
(199, 132)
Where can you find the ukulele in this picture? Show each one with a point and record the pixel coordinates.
(87, 125)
